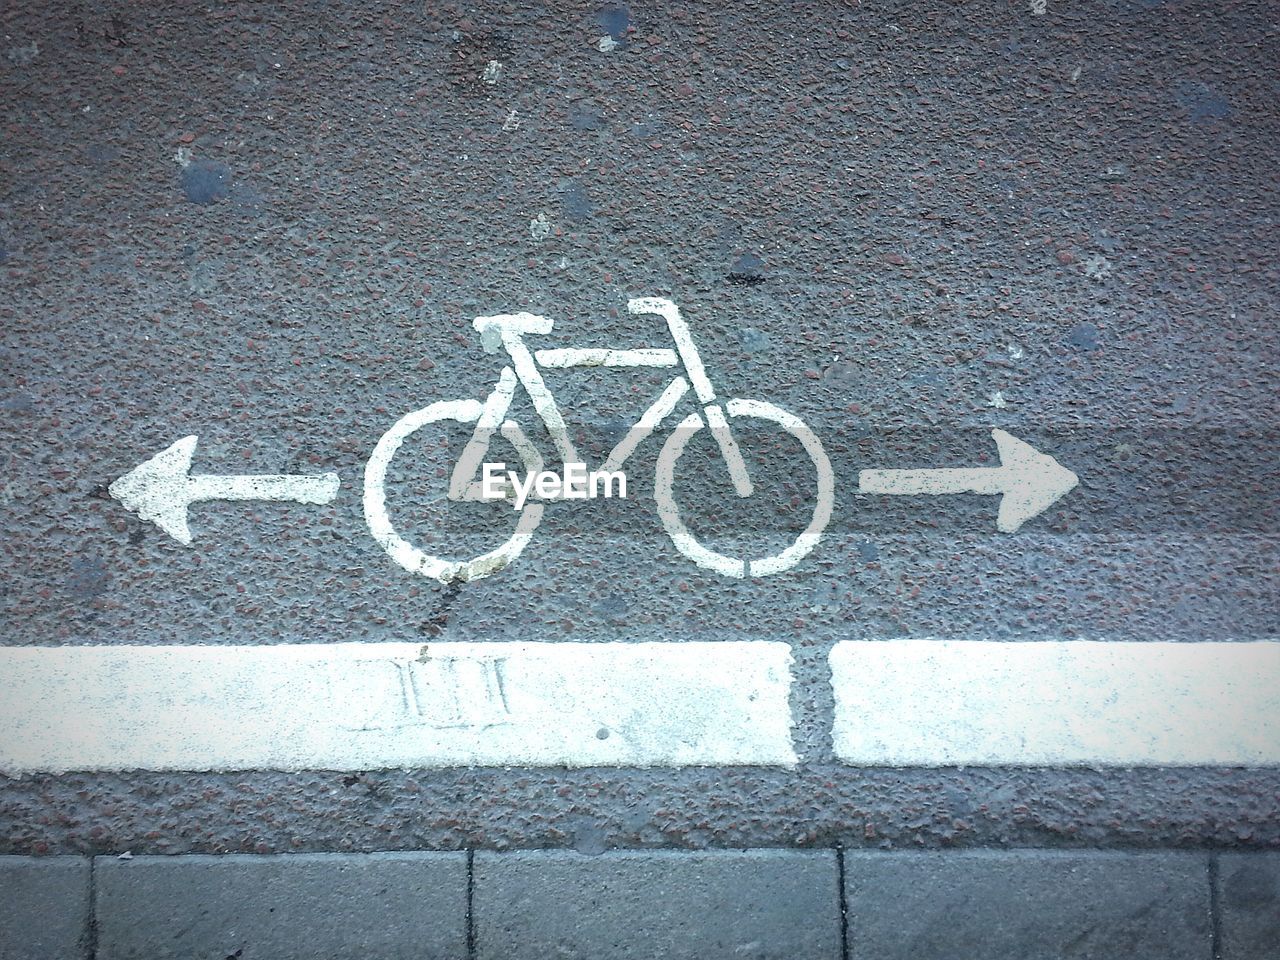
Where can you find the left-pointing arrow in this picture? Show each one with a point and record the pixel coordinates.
(161, 489)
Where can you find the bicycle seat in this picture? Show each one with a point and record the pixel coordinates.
(519, 322)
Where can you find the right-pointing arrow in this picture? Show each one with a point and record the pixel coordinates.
(1028, 480)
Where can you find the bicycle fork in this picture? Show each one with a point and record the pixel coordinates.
(692, 361)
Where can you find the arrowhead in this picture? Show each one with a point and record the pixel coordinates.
(157, 490)
(1032, 481)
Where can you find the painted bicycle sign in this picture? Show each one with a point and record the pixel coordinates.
(508, 332)
(161, 489)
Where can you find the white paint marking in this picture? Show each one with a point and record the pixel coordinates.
(161, 489)
(1066, 703)
(353, 706)
(689, 355)
(729, 449)
(463, 478)
(511, 328)
(648, 422)
(684, 541)
(825, 479)
(572, 357)
(405, 553)
(697, 373)
(507, 332)
(1028, 481)
(669, 513)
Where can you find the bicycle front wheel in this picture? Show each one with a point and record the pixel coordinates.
(737, 566)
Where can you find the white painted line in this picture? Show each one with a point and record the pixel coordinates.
(648, 422)
(689, 355)
(381, 706)
(931, 703)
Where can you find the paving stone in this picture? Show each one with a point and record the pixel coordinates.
(384, 906)
(668, 905)
(1249, 906)
(1027, 905)
(44, 908)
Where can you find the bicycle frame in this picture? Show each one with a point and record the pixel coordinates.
(510, 330)
(507, 332)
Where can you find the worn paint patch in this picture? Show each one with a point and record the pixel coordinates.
(934, 703)
(357, 706)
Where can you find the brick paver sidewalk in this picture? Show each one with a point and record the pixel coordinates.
(792, 904)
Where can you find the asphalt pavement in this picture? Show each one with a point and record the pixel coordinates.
(902, 230)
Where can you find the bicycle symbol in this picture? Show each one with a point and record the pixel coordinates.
(489, 416)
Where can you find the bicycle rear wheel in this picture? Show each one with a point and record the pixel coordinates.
(405, 553)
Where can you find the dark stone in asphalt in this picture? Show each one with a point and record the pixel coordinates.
(1084, 336)
(205, 181)
(747, 270)
(1028, 905)
(711, 906)
(614, 19)
(44, 908)
(577, 205)
(754, 341)
(1249, 902)
(1203, 102)
(89, 578)
(585, 116)
(385, 906)
(102, 154)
